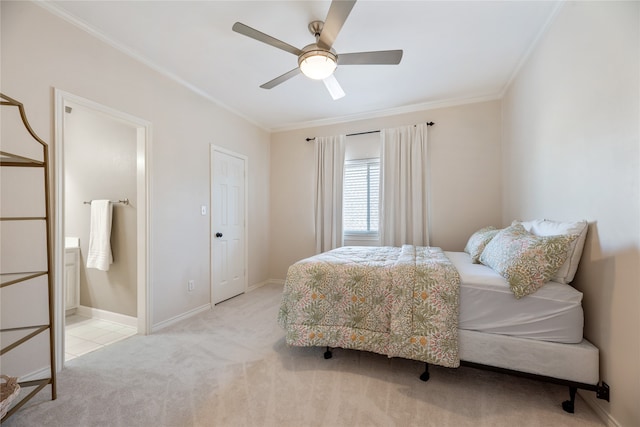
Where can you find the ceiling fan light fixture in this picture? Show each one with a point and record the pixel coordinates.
(318, 64)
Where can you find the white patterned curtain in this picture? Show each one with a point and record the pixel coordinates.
(404, 183)
(328, 191)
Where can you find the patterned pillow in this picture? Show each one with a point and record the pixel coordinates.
(478, 241)
(547, 227)
(527, 261)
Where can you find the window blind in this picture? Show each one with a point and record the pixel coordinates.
(361, 194)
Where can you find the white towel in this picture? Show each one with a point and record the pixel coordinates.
(99, 255)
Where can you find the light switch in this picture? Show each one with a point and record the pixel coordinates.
(203, 210)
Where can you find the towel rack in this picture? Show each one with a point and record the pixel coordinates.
(124, 202)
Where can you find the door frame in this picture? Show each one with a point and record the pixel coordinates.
(214, 148)
(143, 155)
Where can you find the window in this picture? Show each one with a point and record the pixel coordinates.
(361, 197)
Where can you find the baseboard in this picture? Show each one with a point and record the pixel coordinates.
(266, 282)
(36, 375)
(206, 307)
(256, 286)
(590, 398)
(180, 317)
(96, 313)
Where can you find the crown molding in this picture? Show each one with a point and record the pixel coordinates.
(532, 47)
(60, 13)
(388, 112)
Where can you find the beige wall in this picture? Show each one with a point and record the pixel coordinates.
(41, 52)
(571, 147)
(464, 147)
(100, 163)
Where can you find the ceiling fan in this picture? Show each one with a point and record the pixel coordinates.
(319, 60)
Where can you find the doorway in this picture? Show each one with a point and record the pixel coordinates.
(228, 224)
(86, 166)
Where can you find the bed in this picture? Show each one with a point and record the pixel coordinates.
(480, 308)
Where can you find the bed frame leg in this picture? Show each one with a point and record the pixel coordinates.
(328, 354)
(569, 405)
(425, 375)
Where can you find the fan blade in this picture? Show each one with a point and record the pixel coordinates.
(264, 38)
(281, 79)
(392, 57)
(333, 87)
(338, 13)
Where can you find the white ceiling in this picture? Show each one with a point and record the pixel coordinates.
(454, 51)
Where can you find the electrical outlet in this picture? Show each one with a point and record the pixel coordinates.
(191, 285)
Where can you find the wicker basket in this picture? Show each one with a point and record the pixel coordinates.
(9, 389)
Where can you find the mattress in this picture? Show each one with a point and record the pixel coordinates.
(553, 313)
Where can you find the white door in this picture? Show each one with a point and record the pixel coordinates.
(228, 212)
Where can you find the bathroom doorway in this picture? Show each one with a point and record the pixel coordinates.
(100, 155)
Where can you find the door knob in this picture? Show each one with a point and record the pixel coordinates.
(218, 235)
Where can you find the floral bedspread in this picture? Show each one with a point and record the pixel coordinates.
(401, 302)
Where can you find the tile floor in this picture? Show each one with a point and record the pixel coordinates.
(84, 335)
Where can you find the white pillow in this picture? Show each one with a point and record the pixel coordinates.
(528, 225)
(547, 227)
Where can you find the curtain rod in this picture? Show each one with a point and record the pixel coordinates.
(363, 133)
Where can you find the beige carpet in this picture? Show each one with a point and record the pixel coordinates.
(231, 367)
